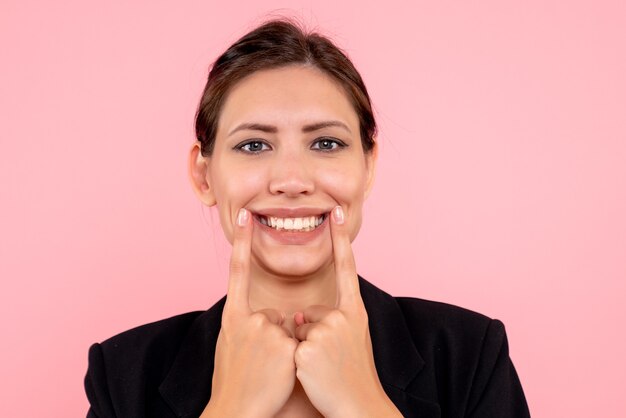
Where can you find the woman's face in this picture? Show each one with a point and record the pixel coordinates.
(288, 149)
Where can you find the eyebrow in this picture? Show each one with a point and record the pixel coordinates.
(306, 128)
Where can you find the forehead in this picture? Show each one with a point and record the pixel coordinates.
(287, 96)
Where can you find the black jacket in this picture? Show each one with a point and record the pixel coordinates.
(433, 360)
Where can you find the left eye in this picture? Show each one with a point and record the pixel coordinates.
(326, 144)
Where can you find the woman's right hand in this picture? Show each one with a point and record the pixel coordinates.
(254, 371)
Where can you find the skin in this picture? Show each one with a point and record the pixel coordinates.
(294, 315)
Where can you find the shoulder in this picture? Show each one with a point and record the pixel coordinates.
(443, 325)
(124, 368)
(455, 357)
(142, 348)
(431, 315)
(433, 326)
(159, 334)
(465, 349)
(162, 335)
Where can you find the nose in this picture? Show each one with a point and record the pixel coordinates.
(291, 176)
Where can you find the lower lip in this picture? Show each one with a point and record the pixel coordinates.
(293, 238)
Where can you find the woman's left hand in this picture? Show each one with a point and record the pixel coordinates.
(334, 359)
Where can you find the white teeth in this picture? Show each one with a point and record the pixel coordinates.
(305, 224)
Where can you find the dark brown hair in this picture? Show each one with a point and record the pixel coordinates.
(277, 43)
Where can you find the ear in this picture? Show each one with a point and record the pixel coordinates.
(370, 165)
(198, 175)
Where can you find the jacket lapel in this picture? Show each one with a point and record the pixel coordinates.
(397, 360)
(187, 387)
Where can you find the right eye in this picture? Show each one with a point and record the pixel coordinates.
(252, 147)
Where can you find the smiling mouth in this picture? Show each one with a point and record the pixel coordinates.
(302, 224)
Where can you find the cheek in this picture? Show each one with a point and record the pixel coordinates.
(234, 189)
(347, 187)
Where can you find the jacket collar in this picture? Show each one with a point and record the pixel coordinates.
(187, 386)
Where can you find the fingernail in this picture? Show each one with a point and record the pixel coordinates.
(338, 214)
(242, 217)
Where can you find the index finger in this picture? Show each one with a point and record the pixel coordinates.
(348, 293)
(239, 270)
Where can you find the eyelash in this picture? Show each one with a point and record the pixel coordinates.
(340, 144)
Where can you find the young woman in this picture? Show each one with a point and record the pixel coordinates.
(286, 152)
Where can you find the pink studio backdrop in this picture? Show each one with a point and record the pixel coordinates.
(501, 184)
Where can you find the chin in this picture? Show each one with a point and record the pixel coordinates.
(293, 265)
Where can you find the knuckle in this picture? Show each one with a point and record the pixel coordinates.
(275, 333)
(315, 335)
(302, 353)
(237, 267)
(297, 357)
(335, 317)
(290, 345)
(258, 319)
(317, 332)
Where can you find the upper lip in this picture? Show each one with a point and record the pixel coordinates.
(290, 212)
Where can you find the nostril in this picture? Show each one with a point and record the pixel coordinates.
(292, 185)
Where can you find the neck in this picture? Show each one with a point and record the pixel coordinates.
(292, 294)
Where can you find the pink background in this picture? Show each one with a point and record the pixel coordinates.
(501, 184)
